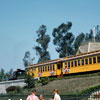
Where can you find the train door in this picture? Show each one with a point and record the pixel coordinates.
(59, 69)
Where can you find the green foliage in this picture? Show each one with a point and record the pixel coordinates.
(3, 75)
(97, 37)
(90, 90)
(98, 73)
(14, 89)
(78, 41)
(27, 59)
(44, 81)
(63, 39)
(43, 41)
(30, 81)
(89, 36)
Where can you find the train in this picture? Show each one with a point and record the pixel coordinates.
(76, 64)
(18, 74)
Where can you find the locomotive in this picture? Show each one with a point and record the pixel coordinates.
(18, 74)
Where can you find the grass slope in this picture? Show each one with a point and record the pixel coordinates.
(67, 86)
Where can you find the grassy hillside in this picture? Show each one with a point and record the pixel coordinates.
(67, 86)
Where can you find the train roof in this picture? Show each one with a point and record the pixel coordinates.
(65, 59)
(44, 63)
(82, 55)
(19, 70)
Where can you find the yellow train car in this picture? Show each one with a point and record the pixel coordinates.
(46, 69)
(69, 65)
(86, 62)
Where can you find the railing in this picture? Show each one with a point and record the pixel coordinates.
(12, 81)
(47, 97)
(90, 95)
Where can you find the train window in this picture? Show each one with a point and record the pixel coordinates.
(86, 61)
(38, 69)
(65, 64)
(72, 64)
(98, 58)
(58, 66)
(75, 63)
(53, 67)
(45, 68)
(68, 64)
(94, 59)
(48, 68)
(90, 60)
(82, 61)
(79, 62)
(41, 69)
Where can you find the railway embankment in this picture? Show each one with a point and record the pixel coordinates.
(66, 86)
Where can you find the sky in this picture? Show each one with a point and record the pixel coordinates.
(20, 19)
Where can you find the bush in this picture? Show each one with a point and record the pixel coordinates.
(14, 89)
(44, 81)
(30, 81)
(90, 90)
(98, 73)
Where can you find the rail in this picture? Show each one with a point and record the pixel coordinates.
(12, 81)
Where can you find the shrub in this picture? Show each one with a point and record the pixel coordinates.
(98, 73)
(30, 81)
(44, 81)
(90, 90)
(14, 89)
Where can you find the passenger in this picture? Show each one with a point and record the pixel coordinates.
(41, 97)
(56, 96)
(51, 99)
(32, 96)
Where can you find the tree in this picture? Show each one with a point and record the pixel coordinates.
(63, 39)
(27, 59)
(78, 41)
(7, 76)
(97, 37)
(2, 74)
(29, 80)
(86, 37)
(43, 41)
(91, 35)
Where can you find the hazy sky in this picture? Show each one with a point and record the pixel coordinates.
(19, 20)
